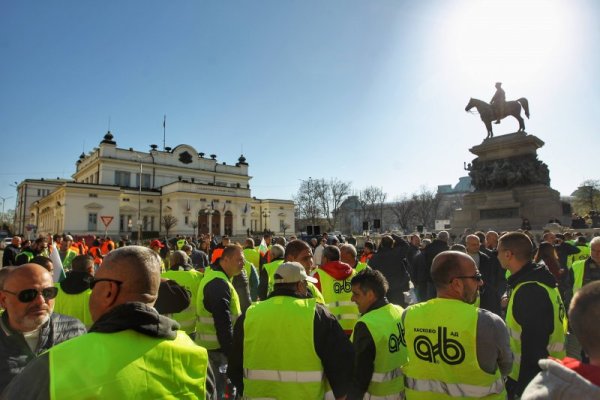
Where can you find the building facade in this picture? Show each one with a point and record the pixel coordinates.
(120, 192)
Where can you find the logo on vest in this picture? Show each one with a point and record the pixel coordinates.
(343, 286)
(395, 340)
(448, 350)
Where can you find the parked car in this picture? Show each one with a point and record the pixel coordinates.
(5, 242)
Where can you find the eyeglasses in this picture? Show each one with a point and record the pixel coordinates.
(478, 277)
(94, 281)
(28, 295)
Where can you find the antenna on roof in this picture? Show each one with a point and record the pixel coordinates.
(165, 132)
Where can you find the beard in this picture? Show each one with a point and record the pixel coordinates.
(31, 323)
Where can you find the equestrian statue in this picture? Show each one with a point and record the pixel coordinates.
(498, 109)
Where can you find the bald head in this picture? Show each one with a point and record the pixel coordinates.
(127, 274)
(447, 265)
(27, 315)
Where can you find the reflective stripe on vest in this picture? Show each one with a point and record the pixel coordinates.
(206, 332)
(337, 295)
(384, 325)
(454, 389)
(127, 365)
(441, 342)
(190, 280)
(283, 376)
(556, 341)
(268, 374)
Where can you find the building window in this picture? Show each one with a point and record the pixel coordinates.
(281, 223)
(125, 223)
(145, 222)
(152, 224)
(145, 181)
(92, 222)
(186, 220)
(122, 178)
(243, 221)
(93, 195)
(149, 201)
(228, 201)
(125, 199)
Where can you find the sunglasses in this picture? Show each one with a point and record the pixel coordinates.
(28, 295)
(478, 277)
(94, 281)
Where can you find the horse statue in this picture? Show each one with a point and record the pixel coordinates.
(488, 112)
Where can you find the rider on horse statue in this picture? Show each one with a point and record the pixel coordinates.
(498, 102)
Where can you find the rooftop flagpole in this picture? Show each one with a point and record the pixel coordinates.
(165, 132)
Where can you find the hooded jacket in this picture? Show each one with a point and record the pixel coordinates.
(533, 310)
(566, 379)
(337, 269)
(135, 316)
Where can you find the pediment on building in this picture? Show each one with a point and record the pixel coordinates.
(254, 214)
(125, 209)
(150, 210)
(93, 206)
(281, 214)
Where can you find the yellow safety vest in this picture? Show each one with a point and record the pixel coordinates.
(127, 365)
(441, 341)
(206, 333)
(385, 326)
(556, 341)
(74, 305)
(360, 266)
(337, 295)
(314, 291)
(282, 366)
(253, 256)
(190, 280)
(271, 268)
(584, 253)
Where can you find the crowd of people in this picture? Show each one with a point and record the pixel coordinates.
(482, 315)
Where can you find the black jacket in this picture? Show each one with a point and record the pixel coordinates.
(391, 262)
(331, 345)
(76, 282)
(489, 298)
(9, 256)
(217, 298)
(364, 355)
(15, 354)
(433, 249)
(533, 310)
(33, 382)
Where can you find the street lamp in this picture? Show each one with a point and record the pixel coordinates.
(265, 214)
(4, 201)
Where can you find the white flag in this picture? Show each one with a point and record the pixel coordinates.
(57, 263)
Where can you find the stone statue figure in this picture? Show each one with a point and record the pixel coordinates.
(499, 109)
(498, 101)
(508, 173)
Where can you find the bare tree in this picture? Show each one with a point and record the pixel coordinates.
(168, 221)
(404, 209)
(371, 201)
(587, 196)
(284, 227)
(426, 206)
(194, 225)
(330, 195)
(307, 206)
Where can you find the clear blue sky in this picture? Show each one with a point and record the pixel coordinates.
(371, 92)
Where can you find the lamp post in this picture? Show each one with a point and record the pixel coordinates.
(265, 214)
(139, 218)
(3, 201)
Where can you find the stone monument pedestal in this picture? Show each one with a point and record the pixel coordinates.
(510, 184)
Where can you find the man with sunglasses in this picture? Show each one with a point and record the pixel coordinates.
(454, 348)
(28, 327)
(130, 351)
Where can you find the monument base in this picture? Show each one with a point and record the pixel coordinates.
(503, 210)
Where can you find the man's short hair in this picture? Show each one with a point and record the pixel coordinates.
(82, 263)
(186, 247)
(387, 242)
(518, 243)
(445, 266)
(584, 315)
(348, 248)
(294, 248)
(332, 253)
(594, 241)
(43, 261)
(370, 245)
(230, 250)
(277, 251)
(481, 236)
(458, 247)
(370, 279)
(443, 236)
(249, 242)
